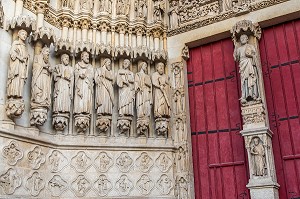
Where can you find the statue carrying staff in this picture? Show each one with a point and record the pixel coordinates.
(246, 55)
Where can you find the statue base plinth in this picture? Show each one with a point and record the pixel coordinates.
(162, 127)
(124, 125)
(14, 108)
(103, 123)
(142, 127)
(38, 116)
(263, 188)
(60, 121)
(82, 122)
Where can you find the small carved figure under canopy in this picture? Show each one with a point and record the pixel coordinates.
(140, 7)
(83, 96)
(63, 92)
(174, 14)
(258, 157)
(246, 55)
(104, 78)
(158, 10)
(123, 7)
(40, 87)
(17, 75)
(105, 6)
(143, 89)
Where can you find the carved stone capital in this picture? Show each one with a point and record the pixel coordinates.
(85, 24)
(253, 114)
(65, 21)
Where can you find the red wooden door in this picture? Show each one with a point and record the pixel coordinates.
(219, 156)
(280, 54)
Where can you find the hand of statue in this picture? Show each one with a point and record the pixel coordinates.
(82, 76)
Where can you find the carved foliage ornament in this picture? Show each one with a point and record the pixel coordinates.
(12, 153)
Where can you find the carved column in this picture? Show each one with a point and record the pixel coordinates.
(19, 7)
(256, 131)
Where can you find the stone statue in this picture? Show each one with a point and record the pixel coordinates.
(140, 7)
(181, 162)
(83, 97)
(258, 156)
(125, 82)
(17, 75)
(182, 189)
(158, 10)
(63, 75)
(105, 6)
(227, 5)
(104, 79)
(174, 14)
(40, 87)
(143, 89)
(246, 55)
(86, 5)
(161, 86)
(123, 7)
(67, 4)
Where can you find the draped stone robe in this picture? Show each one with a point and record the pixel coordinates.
(63, 88)
(125, 81)
(161, 98)
(18, 70)
(143, 89)
(41, 83)
(83, 96)
(104, 91)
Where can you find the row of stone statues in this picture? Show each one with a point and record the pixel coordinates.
(122, 7)
(135, 90)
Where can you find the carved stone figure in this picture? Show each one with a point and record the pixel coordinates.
(161, 87)
(181, 135)
(81, 186)
(227, 5)
(17, 75)
(105, 6)
(86, 5)
(103, 162)
(123, 7)
(125, 82)
(10, 181)
(63, 92)
(40, 88)
(83, 97)
(81, 162)
(258, 157)
(35, 184)
(143, 89)
(163, 162)
(57, 186)
(182, 189)
(181, 161)
(124, 185)
(124, 162)
(104, 78)
(174, 14)
(164, 184)
(158, 10)
(144, 162)
(57, 161)
(67, 4)
(140, 7)
(178, 98)
(145, 185)
(246, 56)
(12, 153)
(103, 185)
(36, 157)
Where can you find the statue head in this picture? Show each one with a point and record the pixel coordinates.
(244, 39)
(256, 141)
(107, 63)
(85, 57)
(22, 34)
(126, 63)
(65, 59)
(45, 53)
(143, 66)
(160, 68)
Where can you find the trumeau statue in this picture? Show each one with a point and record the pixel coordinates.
(125, 82)
(161, 86)
(17, 75)
(140, 7)
(158, 10)
(104, 79)
(258, 157)
(105, 6)
(63, 75)
(83, 94)
(123, 7)
(174, 14)
(246, 55)
(41, 87)
(143, 89)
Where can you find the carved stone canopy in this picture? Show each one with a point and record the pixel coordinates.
(64, 46)
(44, 34)
(245, 27)
(22, 22)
